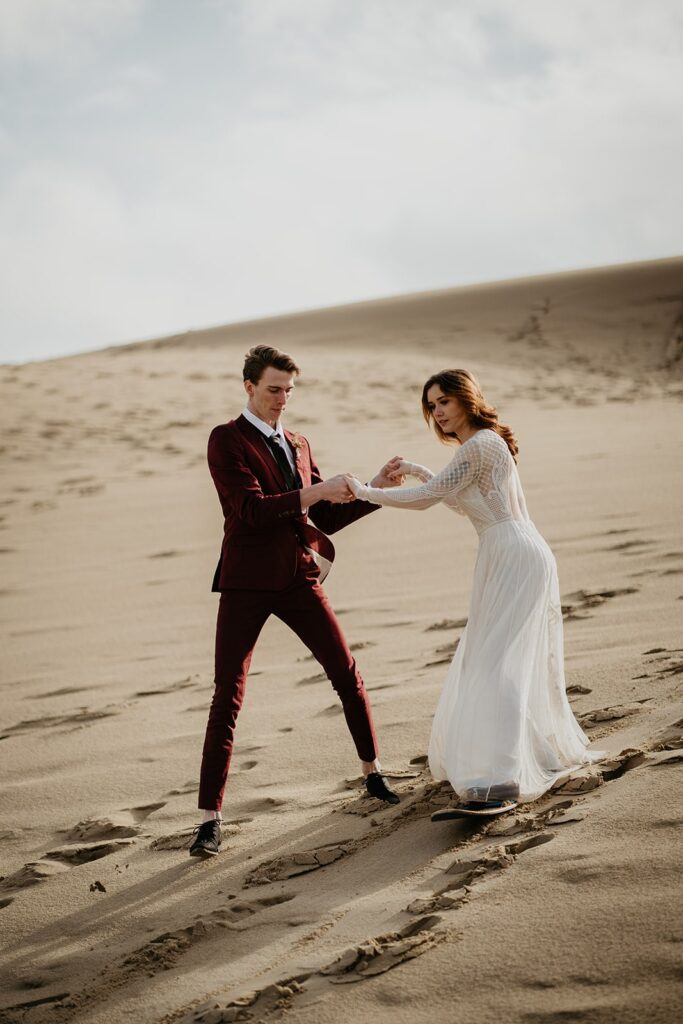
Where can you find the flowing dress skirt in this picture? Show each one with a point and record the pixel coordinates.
(503, 725)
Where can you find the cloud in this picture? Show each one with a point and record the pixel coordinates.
(125, 87)
(51, 31)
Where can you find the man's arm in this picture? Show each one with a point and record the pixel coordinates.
(240, 492)
(330, 517)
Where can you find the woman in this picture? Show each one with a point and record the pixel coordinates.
(503, 729)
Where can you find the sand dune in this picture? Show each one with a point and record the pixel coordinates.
(326, 905)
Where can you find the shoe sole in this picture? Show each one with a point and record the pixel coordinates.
(204, 853)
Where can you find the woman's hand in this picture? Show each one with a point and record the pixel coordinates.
(390, 474)
(354, 485)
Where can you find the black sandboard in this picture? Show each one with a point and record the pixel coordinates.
(450, 813)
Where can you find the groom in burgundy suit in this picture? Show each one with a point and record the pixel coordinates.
(272, 561)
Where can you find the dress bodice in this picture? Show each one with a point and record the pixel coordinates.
(481, 482)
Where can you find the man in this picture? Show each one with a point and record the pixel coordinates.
(270, 564)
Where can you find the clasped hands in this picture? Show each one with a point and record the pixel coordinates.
(340, 489)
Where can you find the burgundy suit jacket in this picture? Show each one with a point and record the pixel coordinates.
(264, 524)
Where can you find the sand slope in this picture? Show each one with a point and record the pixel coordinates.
(325, 904)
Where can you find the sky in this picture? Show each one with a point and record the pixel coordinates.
(175, 164)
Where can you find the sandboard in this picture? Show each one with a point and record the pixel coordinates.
(450, 813)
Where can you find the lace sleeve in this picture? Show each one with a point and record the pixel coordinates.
(458, 474)
(415, 469)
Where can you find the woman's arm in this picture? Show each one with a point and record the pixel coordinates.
(458, 474)
(415, 469)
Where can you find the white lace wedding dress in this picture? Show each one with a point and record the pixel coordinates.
(503, 725)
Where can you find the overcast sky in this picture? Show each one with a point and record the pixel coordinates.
(168, 164)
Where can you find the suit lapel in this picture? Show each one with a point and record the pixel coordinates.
(289, 437)
(317, 543)
(258, 441)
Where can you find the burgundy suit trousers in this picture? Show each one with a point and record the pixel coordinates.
(303, 606)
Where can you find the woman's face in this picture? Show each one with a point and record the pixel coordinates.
(447, 410)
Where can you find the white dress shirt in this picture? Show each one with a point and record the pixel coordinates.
(268, 431)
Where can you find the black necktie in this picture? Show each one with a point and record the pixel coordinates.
(276, 448)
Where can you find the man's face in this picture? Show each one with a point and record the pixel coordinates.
(269, 397)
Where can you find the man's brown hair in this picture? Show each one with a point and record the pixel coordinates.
(261, 356)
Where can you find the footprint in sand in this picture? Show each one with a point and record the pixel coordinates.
(463, 874)
(86, 852)
(264, 805)
(384, 952)
(331, 709)
(578, 876)
(76, 720)
(444, 901)
(164, 951)
(674, 666)
(82, 490)
(281, 868)
(120, 825)
(32, 874)
(109, 835)
(630, 547)
(320, 677)
(65, 691)
(191, 785)
(179, 684)
(576, 604)
(447, 624)
(671, 737)
(585, 780)
(240, 910)
(268, 1003)
(555, 810)
(611, 714)
(370, 958)
(445, 654)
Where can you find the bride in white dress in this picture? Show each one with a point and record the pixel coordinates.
(503, 729)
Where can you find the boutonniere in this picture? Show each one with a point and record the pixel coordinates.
(297, 445)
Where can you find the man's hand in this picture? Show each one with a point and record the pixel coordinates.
(336, 490)
(390, 474)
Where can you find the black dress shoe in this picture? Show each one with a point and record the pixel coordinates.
(377, 786)
(208, 841)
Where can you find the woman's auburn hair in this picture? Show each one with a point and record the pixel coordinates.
(463, 386)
